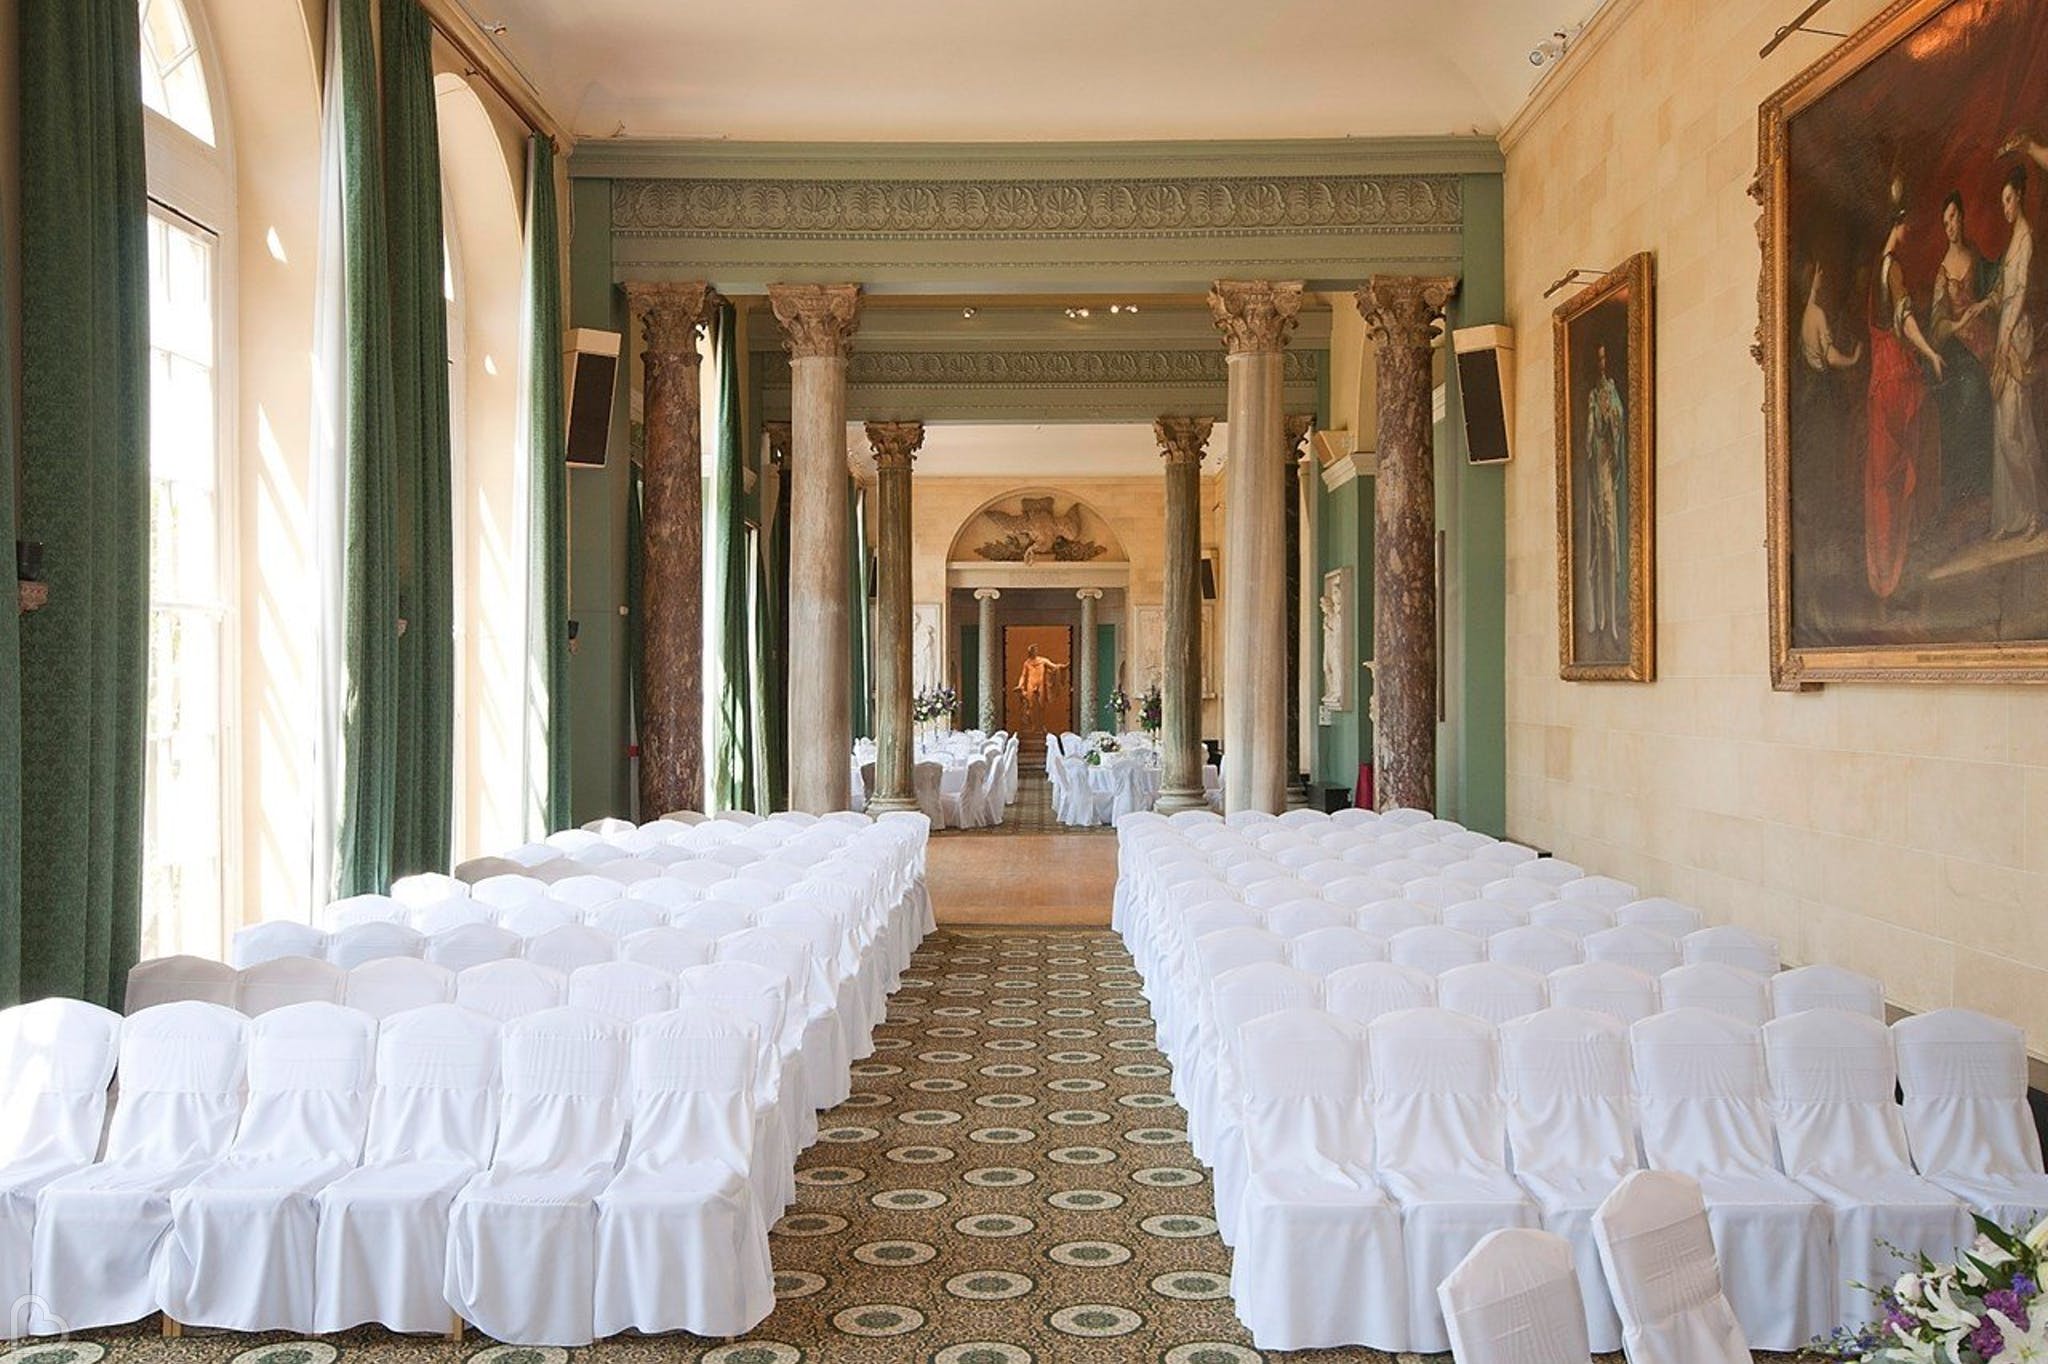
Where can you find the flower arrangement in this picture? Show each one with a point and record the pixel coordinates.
(1151, 710)
(936, 702)
(1119, 703)
(1106, 744)
(1984, 1309)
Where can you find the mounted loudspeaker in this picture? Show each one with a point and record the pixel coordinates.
(1486, 381)
(590, 374)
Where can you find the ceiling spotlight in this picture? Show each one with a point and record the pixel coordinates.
(967, 312)
(1084, 312)
(1116, 307)
(1130, 307)
(1551, 49)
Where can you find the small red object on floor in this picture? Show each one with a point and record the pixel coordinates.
(1361, 794)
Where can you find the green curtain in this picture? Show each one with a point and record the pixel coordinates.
(857, 614)
(85, 496)
(424, 795)
(764, 701)
(636, 603)
(548, 475)
(732, 739)
(370, 676)
(776, 678)
(10, 667)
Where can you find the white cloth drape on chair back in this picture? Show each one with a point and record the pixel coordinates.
(1511, 1302)
(1967, 1120)
(1665, 1274)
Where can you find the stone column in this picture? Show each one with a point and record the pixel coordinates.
(1300, 573)
(672, 547)
(1182, 440)
(818, 322)
(990, 673)
(1087, 667)
(1255, 317)
(1401, 313)
(895, 445)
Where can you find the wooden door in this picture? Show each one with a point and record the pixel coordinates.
(1055, 643)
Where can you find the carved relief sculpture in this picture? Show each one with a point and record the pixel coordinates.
(1035, 531)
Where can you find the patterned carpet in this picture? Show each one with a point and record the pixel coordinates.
(1010, 1182)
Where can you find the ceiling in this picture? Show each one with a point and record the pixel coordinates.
(1079, 70)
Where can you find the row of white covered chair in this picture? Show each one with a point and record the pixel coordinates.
(314, 1169)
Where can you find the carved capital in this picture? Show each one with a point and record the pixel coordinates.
(1089, 594)
(818, 320)
(1183, 440)
(670, 313)
(1293, 431)
(779, 443)
(895, 443)
(1255, 315)
(986, 594)
(1403, 310)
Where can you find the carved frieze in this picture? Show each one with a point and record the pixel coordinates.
(1031, 368)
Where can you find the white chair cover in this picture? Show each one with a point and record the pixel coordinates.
(438, 916)
(383, 1228)
(1294, 918)
(1442, 1142)
(569, 947)
(1434, 949)
(1662, 1268)
(97, 1229)
(1605, 987)
(392, 985)
(241, 1247)
(1840, 1134)
(1388, 917)
(1357, 892)
(1542, 950)
(1491, 990)
(621, 919)
(1241, 995)
(522, 1235)
(508, 891)
(1826, 987)
(1332, 949)
(784, 1121)
(812, 1025)
(351, 947)
(1571, 1128)
(1484, 918)
(1733, 946)
(1552, 871)
(680, 1244)
(1645, 949)
(1579, 918)
(483, 868)
(427, 887)
(714, 917)
(1722, 988)
(1965, 1079)
(1522, 892)
(1319, 1260)
(622, 991)
(56, 1061)
(171, 980)
(458, 949)
(1668, 917)
(1598, 890)
(1284, 890)
(273, 939)
(585, 893)
(1436, 892)
(1511, 1302)
(630, 870)
(288, 980)
(1701, 1107)
(364, 909)
(1364, 992)
(505, 990)
(670, 949)
(535, 917)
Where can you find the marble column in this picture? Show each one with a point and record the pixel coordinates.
(1401, 313)
(895, 445)
(1255, 317)
(989, 674)
(1300, 573)
(1087, 668)
(1182, 440)
(818, 322)
(672, 547)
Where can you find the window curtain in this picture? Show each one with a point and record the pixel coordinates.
(547, 624)
(859, 615)
(424, 790)
(85, 496)
(732, 738)
(10, 669)
(777, 673)
(371, 680)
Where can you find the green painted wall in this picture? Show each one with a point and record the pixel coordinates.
(601, 781)
(1101, 717)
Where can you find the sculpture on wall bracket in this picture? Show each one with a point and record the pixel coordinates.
(1335, 602)
(1036, 532)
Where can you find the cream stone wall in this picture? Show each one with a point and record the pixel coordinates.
(1897, 830)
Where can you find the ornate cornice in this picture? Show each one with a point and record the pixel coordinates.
(1255, 315)
(997, 209)
(1402, 310)
(818, 320)
(1183, 440)
(670, 313)
(895, 443)
(1052, 368)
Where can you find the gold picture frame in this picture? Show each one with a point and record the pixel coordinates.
(1606, 477)
(1888, 563)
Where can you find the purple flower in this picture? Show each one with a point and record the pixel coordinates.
(2011, 1303)
(1902, 1323)
(2024, 1286)
(1987, 1340)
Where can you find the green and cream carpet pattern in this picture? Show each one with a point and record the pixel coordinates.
(1009, 1183)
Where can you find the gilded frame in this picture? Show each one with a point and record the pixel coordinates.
(1797, 668)
(1633, 283)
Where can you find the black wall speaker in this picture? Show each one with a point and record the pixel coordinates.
(590, 375)
(1486, 382)
(1208, 578)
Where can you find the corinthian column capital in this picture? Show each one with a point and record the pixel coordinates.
(895, 443)
(1183, 440)
(818, 320)
(670, 313)
(1255, 315)
(1402, 310)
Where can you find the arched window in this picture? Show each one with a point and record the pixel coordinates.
(187, 816)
